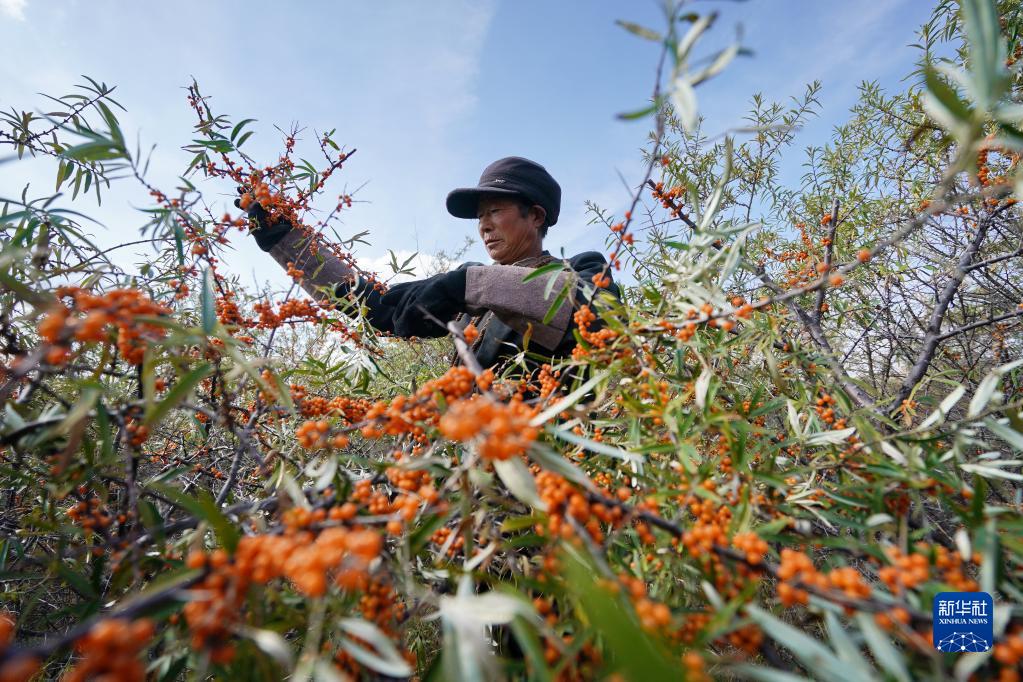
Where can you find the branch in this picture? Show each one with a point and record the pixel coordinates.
(835, 596)
(996, 259)
(861, 397)
(932, 337)
(991, 320)
(828, 252)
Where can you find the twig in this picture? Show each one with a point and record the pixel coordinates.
(991, 320)
(829, 251)
(462, 348)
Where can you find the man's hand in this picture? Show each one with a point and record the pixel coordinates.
(441, 297)
(267, 235)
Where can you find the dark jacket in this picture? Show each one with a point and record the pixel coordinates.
(503, 308)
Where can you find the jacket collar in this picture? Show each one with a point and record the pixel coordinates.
(535, 261)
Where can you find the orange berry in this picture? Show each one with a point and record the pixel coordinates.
(195, 560)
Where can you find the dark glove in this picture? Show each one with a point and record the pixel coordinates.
(416, 303)
(379, 314)
(267, 235)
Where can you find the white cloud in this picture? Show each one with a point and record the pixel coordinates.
(13, 8)
(859, 47)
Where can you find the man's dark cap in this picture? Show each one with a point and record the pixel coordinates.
(513, 176)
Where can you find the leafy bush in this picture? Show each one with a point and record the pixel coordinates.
(800, 425)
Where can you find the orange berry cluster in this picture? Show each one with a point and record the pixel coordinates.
(797, 567)
(90, 318)
(692, 627)
(804, 269)
(850, 581)
(887, 620)
(406, 505)
(137, 433)
(906, 571)
(584, 665)
(267, 186)
(18, 668)
(753, 547)
(228, 312)
(302, 556)
(584, 318)
(442, 536)
(669, 198)
(695, 667)
(564, 499)
(90, 514)
(500, 430)
(984, 170)
(290, 311)
(110, 651)
(548, 380)
(952, 568)
(653, 616)
(746, 639)
(1009, 652)
(379, 603)
(412, 414)
(709, 528)
(312, 435)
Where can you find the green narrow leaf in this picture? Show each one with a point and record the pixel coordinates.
(203, 507)
(530, 645)
(386, 659)
(637, 114)
(520, 483)
(986, 49)
(1006, 433)
(639, 656)
(112, 126)
(539, 272)
(238, 127)
(241, 140)
(90, 394)
(641, 31)
(179, 244)
(555, 306)
(814, 655)
(945, 94)
(880, 645)
(844, 645)
(683, 99)
(594, 446)
(759, 672)
(208, 302)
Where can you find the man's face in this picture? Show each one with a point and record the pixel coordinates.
(506, 234)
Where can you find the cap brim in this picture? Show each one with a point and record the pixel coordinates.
(464, 201)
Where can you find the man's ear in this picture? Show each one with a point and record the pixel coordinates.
(539, 214)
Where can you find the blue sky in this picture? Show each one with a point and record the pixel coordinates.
(429, 92)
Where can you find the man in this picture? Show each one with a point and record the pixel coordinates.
(516, 201)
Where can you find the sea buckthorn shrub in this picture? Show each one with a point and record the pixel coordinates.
(799, 424)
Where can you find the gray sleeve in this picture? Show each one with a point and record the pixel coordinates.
(323, 269)
(519, 304)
